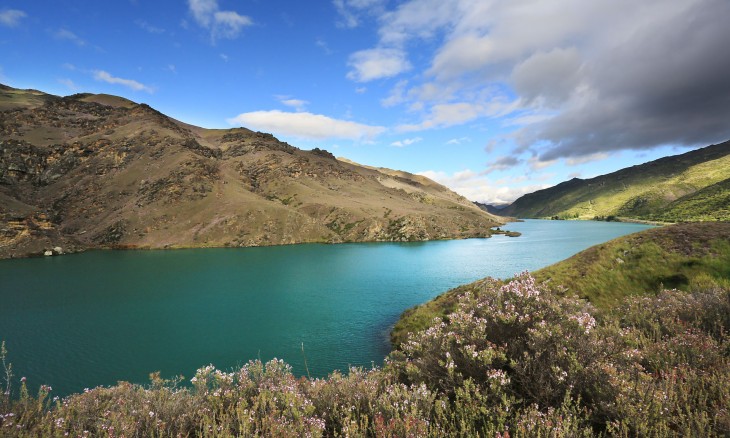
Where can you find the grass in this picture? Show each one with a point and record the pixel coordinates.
(711, 203)
(686, 187)
(683, 256)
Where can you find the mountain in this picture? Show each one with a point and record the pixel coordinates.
(96, 171)
(689, 187)
(496, 209)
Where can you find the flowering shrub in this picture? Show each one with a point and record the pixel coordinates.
(511, 341)
(512, 360)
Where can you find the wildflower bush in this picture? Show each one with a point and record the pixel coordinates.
(512, 360)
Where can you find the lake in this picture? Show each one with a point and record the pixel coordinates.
(95, 318)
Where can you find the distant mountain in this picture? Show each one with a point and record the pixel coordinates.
(94, 170)
(689, 187)
(496, 209)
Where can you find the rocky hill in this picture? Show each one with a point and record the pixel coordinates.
(91, 171)
(694, 186)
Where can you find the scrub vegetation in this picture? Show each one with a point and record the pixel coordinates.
(510, 360)
(687, 257)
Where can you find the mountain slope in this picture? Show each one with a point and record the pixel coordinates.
(676, 188)
(88, 171)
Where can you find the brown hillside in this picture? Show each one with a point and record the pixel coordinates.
(88, 171)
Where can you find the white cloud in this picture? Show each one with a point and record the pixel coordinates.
(416, 19)
(457, 113)
(65, 34)
(11, 17)
(306, 125)
(458, 141)
(322, 44)
(476, 187)
(585, 76)
(69, 84)
(103, 76)
(148, 27)
(348, 18)
(406, 142)
(378, 63)
(351, 11)
(228, 24)
(203, 11)
(527, 118)
(538, 164)
(297, 104)
(397, 95)
(221, 24)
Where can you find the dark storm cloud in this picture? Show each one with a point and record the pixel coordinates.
(502, 163)
(669, 83)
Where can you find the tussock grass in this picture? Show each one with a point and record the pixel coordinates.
(684, 256)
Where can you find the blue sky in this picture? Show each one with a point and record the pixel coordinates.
(493, 98)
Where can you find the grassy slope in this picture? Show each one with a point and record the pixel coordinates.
(683, 256)
(711, 203)
(658, 189)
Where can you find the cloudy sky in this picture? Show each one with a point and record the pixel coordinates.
(494, 98)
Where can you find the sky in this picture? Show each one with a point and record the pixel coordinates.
(493, 98)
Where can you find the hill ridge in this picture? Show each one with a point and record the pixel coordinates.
(99, 171)
(640, 192)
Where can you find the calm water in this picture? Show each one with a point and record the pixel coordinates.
(99, 317)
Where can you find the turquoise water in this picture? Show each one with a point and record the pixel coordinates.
(96, 318)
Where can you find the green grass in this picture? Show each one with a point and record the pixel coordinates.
(687, 187)
(711, 203)
(683, 256)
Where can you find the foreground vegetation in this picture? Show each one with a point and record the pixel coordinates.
(682, 256)
(511, 360)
